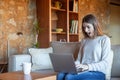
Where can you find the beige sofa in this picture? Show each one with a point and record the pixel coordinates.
(15, 61)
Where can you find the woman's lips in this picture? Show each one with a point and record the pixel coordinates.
(89, 34)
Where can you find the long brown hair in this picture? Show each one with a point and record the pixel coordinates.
(90, 18)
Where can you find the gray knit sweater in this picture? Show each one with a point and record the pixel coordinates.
(95, 53)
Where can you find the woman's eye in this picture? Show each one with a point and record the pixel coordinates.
(88, 27)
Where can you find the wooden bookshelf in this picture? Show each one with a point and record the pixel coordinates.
(50, 18)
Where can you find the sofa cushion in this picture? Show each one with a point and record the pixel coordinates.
(40, 58)
(116, 61)
(115, 78)
(65, 47)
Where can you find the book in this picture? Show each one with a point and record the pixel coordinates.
(72, 26)
(75, 6)
(76, 27)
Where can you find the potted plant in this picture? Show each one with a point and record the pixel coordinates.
(36, 30)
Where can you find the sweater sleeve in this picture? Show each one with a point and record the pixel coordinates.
(78, 60)
(105, 53)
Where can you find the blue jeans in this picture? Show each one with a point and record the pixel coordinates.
(90, 75)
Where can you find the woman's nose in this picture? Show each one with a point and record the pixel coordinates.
(86, 29)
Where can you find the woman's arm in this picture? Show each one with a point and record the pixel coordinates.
(78, 60)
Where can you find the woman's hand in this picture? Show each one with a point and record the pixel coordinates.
(83, 66)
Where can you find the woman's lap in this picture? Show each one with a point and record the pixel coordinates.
(90, 75)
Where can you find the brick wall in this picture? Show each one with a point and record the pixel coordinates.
(16, 16)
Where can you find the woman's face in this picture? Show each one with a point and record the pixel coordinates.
(88, 29)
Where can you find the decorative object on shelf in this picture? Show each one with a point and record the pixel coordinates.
(59, 30)
(58, 4)
(54, 15)
(62, 40)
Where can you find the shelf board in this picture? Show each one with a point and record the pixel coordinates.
(73, 12)
(54, 8)
(72, 34)
(58, 32)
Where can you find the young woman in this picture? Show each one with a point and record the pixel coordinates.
(94, 53)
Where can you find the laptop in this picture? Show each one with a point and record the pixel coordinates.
(64, 63)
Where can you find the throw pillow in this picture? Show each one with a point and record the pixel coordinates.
(40, 58)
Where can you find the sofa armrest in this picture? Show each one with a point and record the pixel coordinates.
(15, 62)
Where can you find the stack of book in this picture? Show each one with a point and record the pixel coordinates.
(74, 27)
